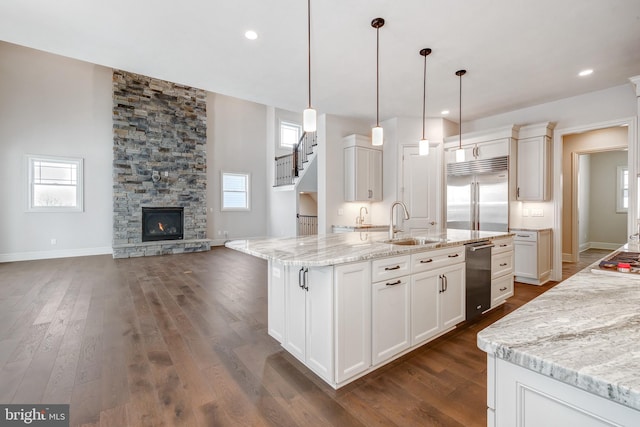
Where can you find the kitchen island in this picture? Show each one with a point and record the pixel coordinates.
(346, 304)
(569, 357)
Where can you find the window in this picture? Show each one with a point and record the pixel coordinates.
(289, 134)
(55, 184)
(235, 191)
(622, 194)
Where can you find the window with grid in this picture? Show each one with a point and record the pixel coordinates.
(55, 184)
(235, 191)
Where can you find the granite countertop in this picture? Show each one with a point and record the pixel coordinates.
(584, 332)
(339, 248)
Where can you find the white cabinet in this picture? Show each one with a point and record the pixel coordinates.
(532, 263)
(517, 396)
(437, 292)
(353, 319)
(362, 171)
(275, 301)
(309, 318)
(480, 150)
(501, 270)
(390, 322)
(533, 168)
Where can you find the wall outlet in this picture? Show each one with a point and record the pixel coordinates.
(54, 241)
(525, 212)
(340, 211)
(537, 212)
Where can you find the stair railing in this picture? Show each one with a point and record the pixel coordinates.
(289, 166)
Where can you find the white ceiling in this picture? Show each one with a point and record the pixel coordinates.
(518, 53)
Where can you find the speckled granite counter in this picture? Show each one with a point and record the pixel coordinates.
(332, 249)
(584, 332)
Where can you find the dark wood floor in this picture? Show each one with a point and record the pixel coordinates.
(181, 340)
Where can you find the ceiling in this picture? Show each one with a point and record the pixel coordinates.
(518, 53)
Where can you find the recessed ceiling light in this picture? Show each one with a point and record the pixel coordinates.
(585, 72)
(444, 112)
(251, 35)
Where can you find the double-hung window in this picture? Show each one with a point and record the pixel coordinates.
(235, 191)
(622, 190)
(55, 184)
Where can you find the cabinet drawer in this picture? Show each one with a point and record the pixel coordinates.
(389, 268)
(431, 260)
(501, 289)
(501, 264)
(502, 245)
(525, 236)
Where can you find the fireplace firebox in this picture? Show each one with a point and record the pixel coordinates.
(162, 223)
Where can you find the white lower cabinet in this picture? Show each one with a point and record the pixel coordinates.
(501, 270)
(275, 301)
(353, 319)
(437, 301)
(520, 397)
(309, 318)
(390, 321)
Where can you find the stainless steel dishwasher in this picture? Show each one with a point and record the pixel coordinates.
(478, 271)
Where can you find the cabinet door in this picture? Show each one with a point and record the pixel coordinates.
(425, 307)
(452, 299)
(501, 289)
(390, 321)
(374, 192)
(319, 321)
(362, 174)
(526, 259)
(533, 160)
(295, 314)
(275, 301)
(353, 319)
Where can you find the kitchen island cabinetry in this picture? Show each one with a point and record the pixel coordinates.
(501, 270)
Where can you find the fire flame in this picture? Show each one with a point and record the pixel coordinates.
(160, 226)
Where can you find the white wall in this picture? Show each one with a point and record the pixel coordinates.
(607, 228)
(236, 131)
(331, 130)
(584, 199)
(53, 105)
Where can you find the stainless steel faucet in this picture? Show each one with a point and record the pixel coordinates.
(360, 218)
(392, 230)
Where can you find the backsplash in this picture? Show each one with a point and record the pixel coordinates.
(159, 160)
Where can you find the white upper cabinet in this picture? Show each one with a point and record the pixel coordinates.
(533, 168)
(481, 145)
(362, 170)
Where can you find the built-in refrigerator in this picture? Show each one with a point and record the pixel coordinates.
(478, 194)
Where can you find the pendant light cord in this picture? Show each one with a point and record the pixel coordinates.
(424, 96)
(460, 73)
(309, 46)
(378, 77)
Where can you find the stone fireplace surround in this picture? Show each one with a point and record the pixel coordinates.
(159, 160)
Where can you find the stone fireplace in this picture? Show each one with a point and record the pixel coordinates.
(159, 163)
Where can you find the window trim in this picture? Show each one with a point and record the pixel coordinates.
(290, 123)
(620, 189)
(248, 191)
(78, 161)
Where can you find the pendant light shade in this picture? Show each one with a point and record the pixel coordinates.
(309, 114)
(377, 134)
(460, 151)
(423, 145)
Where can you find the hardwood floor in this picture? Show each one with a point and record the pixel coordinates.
(181, 340)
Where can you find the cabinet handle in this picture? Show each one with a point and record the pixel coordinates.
(504, 245)
(446, 283)
(397, 267)
(503, 289)
(518, 192)
(301, 278)
(425, 261)
(503, 264)
(441, 290)
(522, 235)
(454, 255)
(370, 193)
(397, 282)
(306, 279)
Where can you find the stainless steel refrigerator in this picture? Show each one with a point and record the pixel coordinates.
(478, 194)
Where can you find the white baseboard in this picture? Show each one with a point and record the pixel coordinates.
(66, 253)
(601, 245)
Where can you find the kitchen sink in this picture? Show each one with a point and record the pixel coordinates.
(411, 241)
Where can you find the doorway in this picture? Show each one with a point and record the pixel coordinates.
(593, 166)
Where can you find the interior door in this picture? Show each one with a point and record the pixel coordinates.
(459, 202)
(419, 189)
(493, 201)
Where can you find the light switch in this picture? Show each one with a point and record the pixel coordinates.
(537, 212)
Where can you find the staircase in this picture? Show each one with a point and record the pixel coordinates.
(289, 168)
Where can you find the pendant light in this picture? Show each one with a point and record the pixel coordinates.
(377, 136)
(460, 151)
(309, 114)
(423, 146)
